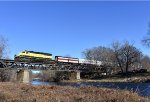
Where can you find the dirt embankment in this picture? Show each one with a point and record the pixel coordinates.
(12, 92)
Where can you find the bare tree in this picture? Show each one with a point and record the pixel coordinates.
(100, 53)
(3, 47)
(88, 54)
(146, 39)
(126, 55)
(116, 61)
(103, 54)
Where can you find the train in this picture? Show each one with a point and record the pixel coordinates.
(31, 56)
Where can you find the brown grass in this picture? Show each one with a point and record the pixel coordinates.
(13, 92)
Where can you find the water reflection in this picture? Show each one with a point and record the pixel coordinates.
(142, 89)
(38, 82)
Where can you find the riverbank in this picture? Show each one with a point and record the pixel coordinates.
(135, 78)
(113, 80)
(13, 92)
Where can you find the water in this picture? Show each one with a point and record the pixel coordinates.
(142, 89)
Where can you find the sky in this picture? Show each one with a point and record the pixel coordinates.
(69, 27)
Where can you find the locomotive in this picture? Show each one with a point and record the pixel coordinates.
(32, 56)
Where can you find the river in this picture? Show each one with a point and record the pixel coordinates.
(142, 89)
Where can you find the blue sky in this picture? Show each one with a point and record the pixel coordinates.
(67, 28)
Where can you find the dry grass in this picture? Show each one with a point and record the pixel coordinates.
(12, 92)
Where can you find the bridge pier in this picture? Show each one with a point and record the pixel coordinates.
(74, 75)
(78, 75)
(24, 76)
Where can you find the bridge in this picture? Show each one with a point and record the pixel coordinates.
(53, 65)
(27, 75)
(52, 71)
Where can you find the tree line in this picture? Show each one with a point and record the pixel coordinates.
(119, 57)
